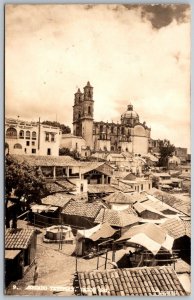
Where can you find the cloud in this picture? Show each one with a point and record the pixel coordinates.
(51, 50)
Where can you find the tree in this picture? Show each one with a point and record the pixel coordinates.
(65, 129)
(25, 181)
(67, 151)
(166, 150)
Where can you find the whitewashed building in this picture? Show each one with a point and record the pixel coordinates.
(31, 138)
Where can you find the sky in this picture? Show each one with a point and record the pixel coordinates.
(137, 54)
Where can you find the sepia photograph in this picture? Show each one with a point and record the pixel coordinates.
(97, 149)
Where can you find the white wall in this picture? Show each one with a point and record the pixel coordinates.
(28, 145)
(140, 145)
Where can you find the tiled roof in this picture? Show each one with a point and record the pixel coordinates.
(130, 176)
(116, 155)
(177, 228)
(47, 160)
(88, 166)
(120, 174)
(151, 157)
(145, 281)
(100, 188)
(116, 218)
(53, 187)
(99, 166)
(66, 184)
(81, 209)
(18, 238)
(60, 186)
(120, 197)
(173, 201)
(58, 199)
(160, 206)
(125, 188)
(130, 210)
(141, 207)
(188, 227)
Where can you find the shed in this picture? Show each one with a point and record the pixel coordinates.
(20, 251)
(87, 240)
(79, 214)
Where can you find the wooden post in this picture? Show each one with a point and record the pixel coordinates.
(106, 259)
(113, 252)
(97, 257)
(76, 263)
(54, 172)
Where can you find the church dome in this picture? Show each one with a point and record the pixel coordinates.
(130, 113)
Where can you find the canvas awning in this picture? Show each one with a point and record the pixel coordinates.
(105, 231)
(149, 236)
(86, 233)
(100, 231)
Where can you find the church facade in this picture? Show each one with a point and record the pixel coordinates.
(130, 135)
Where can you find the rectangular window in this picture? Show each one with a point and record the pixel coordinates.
(47, 137)
(52, 137)
(49, 151)
(33, 151)
(33, 143)
(27, 143)
(142, 187)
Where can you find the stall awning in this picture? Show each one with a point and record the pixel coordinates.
(105, 231)
(149, 236)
